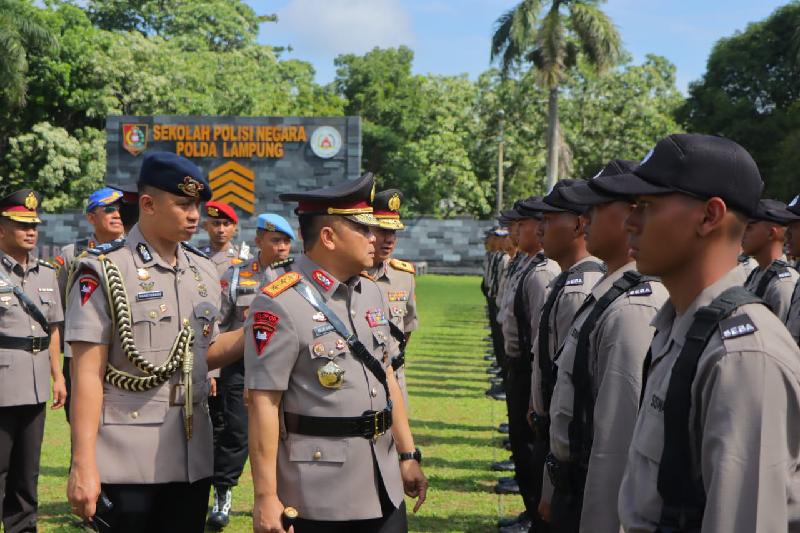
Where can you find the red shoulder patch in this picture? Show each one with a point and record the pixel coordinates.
(264, 326)
(60, 260)
(88, 283)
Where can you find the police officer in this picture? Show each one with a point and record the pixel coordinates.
(220, 224)
(274, 237)
(394, 277)
(517, 306)
(103, 214)
(561, 232)
(140, 424)
(597, 390)
(30, 346)
(774, 279)
(793, 249)
(327, 418)
(715, 447)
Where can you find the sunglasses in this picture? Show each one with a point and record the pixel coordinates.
(110, 209)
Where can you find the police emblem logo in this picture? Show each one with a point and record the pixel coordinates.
(31, 202)
(191, 187)
(394, 202)
(331, 376)
(134, 138)
(144, 252)
(212, 211)
(88, 284)
(142, 274)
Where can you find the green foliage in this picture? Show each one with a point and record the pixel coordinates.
(63, 168)
(751, 93)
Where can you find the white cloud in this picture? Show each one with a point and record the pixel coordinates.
(331, 27)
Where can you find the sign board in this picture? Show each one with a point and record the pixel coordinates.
(248, 160)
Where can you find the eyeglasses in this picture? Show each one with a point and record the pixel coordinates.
(110, 209)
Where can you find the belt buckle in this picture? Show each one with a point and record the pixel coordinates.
(379, 429)
(36, 344)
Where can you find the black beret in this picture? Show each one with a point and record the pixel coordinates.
(174, 174)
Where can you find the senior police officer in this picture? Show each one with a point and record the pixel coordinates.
(774, 279)
(394, 277)
(716, 446)
(30, 349)
(221, 223)
(142, 317)
(562, 235)
(523, 297)
(274, 236)
(322, 400)
(103, 214)
(597, 390)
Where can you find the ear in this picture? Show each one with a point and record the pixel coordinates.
(327, 237)
(147, 204)
(580, 222)
(714, 211)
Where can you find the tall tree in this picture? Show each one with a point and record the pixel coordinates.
(552, 34)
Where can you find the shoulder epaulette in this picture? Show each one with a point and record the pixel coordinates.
(402, 265)
(106, 247)
(281, 284)
(60, 260)
(194, 249)
(47, 264)
(282, 262)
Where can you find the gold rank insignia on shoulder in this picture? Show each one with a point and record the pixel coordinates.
(402, 265)
(281, 284)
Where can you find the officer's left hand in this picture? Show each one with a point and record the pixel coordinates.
(213, 390)
(59, 392)
(415, 484)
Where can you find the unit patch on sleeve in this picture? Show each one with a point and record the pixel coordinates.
(574, 279)
(264, 325)
(737, 326)
(641, 290)
(88, 282)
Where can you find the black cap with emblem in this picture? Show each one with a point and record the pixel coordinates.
(174, 174)
(585, 193)
(386, 208)
(351, 199)
(21, 206)
(527, 207)
(701, 166)
(773, 211)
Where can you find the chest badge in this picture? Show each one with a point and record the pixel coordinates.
(202, 290)
(398, 296)
(142, 274)
(147, 285)
(319, 317)
(195, 273)
(331, 375)
(144, 252)
(376, 318)
(340, 344)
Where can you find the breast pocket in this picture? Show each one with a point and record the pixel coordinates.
(10, 311)
(153, 328)
(329, 346)
(205, 314)
(305, 449)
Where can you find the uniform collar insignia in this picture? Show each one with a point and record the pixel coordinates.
(322, 279)
(7, 262)
(144, 252)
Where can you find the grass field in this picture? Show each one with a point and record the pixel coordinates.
(453, 422)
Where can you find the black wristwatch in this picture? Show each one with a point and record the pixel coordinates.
(416, 455)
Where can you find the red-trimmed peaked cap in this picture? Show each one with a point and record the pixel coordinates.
(351, 199)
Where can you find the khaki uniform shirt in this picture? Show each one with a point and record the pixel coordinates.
(224, 258)
(747, 264)
(561, 316)
(141, 436)
(69, 254)
(779, 290)
(236, 300)
(325, 478)
(25, 377)
(746, 399)
(617, 348)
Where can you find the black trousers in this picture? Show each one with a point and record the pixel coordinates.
(528, 458)
(21, 433)
(497, 335)
(230, 444)
(68, 382)
(565, 511)
(157, 508)
(393, 521)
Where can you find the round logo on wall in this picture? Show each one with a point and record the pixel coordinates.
(326, 142)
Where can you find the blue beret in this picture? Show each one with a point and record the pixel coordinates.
(174, 174)
(103, 197)
(272, 222)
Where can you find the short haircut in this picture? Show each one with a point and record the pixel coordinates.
(738, 226)
(310, 226)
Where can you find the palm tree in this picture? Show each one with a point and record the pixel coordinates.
(551, 34)
(19, 32)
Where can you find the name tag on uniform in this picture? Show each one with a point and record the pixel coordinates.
(641, 290)
(319, 331)
(149, 295)
(45, 289)
(784, 274)
(737, 326)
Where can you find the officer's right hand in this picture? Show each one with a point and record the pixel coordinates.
(83, 490)
(267, 512)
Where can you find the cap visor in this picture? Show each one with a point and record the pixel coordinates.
(628, 185)
(540, 205)
(365, 219)
(583, 194)
(391, 223)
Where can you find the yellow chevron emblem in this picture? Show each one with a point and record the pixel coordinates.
(234, 184)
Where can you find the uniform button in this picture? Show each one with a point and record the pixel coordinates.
(331, 352)
(33, 328)
(317, 455)
(153, 314)
(135, 414)
(373, 392)
(352, 312)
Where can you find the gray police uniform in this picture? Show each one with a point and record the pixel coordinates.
(745, 396)
(616, 349)
(291, 347)
(142, 438)
(780, 279)
(24, 383)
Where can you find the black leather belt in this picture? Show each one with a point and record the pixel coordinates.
(370, 425)
(29, 344)
(398, 362)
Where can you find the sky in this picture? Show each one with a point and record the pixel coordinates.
(451, 37)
